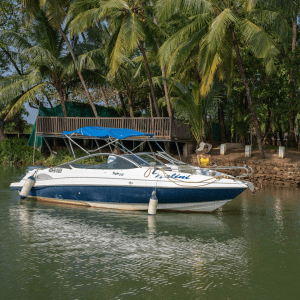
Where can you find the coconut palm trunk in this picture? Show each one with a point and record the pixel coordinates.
(291, 140)
(247, 89)
(163, 73)
(104, 96)
(79, 72)
(122, 104)
(130, 103)
(222, 121)
(166, 90)
(150, 79)
(63, 103)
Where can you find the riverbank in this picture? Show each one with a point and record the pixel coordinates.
(269, 172)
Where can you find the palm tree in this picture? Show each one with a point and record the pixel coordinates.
(49, 68)
(219, 29)
(193, 108)
(56, 13)
(130, 29)
(291, 10)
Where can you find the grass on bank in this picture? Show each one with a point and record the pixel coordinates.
(16, 151)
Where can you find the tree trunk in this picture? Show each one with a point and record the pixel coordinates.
(62, 101)
(151, 108)
(210, 131)
(163, 73)
(221, 120)
(247, 89)
(291, 139)
(169, 107)
(104, 96)
(63, 106)
(275, 138)
(123, 104)
(268, 128)
(130, 103)
(79, 72)
(281, 136)
(150, 79)
(2, 136)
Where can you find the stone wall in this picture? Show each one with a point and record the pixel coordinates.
(266, 173)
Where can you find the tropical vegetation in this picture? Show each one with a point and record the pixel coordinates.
(230, 65)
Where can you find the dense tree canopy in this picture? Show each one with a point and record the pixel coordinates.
(231, 63)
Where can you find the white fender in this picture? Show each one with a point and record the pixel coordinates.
(152, 208)
(29, 183)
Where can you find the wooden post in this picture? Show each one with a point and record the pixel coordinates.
(177, 146)
(171, 127)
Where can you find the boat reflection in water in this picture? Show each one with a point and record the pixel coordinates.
(152, 252)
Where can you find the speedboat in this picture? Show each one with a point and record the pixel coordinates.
(128, 181)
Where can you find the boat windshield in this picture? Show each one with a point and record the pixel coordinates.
(144, 160)
(103, 162)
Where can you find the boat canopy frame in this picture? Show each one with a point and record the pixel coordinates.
(117, 143)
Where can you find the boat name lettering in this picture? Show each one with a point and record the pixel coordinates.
(175, 176)
(55, 170)
(117, 173)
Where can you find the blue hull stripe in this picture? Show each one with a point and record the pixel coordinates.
(137, 195)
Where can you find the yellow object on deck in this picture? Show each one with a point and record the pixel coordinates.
(204, 162)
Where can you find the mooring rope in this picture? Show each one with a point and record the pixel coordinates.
(173, 180)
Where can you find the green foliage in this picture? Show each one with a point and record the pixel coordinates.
(192, 108)
(18, 124)
(64, 156)
(16, 151)
(195, 44)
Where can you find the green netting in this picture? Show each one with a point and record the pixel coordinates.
(76, 110)
(39, 140)
(73, 110)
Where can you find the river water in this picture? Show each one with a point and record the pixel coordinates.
(248, 250)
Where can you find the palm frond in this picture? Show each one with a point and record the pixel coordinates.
(32, 93)
(133, 32)
(166, 8)
(258, 41)
(14, 39)
(85, 20)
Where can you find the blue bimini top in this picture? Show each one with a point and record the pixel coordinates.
(104, 132)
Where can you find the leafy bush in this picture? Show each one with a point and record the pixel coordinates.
(64, 156)
(61, 157)
(15, 150)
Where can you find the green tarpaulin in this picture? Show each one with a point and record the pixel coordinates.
(73, 110)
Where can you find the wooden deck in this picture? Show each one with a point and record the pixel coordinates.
(163, 128)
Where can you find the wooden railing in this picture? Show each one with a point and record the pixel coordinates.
(164, 128)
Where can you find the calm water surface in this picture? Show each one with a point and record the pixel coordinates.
(249, 250)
